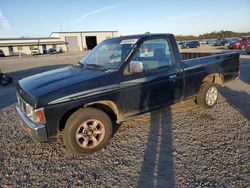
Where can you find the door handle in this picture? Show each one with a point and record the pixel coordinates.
(172, 77)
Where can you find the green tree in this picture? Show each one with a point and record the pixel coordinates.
(212, 35)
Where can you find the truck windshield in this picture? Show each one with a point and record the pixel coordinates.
(109, 54)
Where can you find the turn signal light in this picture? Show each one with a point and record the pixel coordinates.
(40, 116)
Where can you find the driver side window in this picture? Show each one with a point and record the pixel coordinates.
(153, 54)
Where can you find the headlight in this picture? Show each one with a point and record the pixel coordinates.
(29, 110)
(35, 115)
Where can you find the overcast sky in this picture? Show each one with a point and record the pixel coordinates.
(39, 18)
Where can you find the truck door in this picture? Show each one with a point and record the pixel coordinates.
(157, 84)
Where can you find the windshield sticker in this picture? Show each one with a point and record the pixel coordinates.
(129, 41)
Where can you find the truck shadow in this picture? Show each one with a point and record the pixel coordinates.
(245, 79)
(158, 165)
(244, 70)
(7, 93)
(232, 96)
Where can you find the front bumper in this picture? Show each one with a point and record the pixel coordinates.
(38, 132)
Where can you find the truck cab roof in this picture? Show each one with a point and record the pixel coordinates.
(141, 36)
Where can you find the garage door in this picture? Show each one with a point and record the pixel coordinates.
(72, 44)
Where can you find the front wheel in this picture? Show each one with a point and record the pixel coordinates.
(208, 95)
(87, 131)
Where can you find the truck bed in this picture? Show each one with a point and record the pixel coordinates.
(194, 55)
(199, 65)
(226, 64)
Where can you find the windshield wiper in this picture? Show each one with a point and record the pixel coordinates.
(95, 66)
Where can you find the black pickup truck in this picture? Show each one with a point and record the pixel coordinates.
(119, 78)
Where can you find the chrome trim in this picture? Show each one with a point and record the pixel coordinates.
(39, 132)
(238, 75)
(172, 76)
(22, 104)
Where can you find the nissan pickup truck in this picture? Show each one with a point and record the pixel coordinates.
(121, 77)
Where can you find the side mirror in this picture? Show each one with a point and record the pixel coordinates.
(135, 67)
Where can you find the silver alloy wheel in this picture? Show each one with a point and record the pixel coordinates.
(211, 96)
(90, 134)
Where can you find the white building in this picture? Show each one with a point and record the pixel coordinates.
(12, 46)
(67, 41)
(83, 40)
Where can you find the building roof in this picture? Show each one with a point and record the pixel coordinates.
(31, 38)
(84, 32)
(30, 43)
(141, 36)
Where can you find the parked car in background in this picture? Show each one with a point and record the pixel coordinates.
(59, 50)
(248, 48)
(231, 42)
(211, 41)
(221, 42)
(52, 51)
(180, 42)
(55, 50)
(234, 44)
(1, 53)
(203, 42)
(35, 51)
(241, 44)
(191, 44)
(244, 42)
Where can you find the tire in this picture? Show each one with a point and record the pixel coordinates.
(80, 135)
(208, 95)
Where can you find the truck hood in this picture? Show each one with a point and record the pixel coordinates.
(34, 87)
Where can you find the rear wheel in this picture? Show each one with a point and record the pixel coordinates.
(208, 95)
(87, 131)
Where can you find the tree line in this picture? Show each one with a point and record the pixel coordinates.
(212, 35)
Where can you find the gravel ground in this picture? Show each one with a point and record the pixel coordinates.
(178, 146)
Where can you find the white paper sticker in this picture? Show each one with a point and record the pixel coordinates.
(129, 41)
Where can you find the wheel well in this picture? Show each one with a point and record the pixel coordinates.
(107, 106)
(65, 118)
(106, 109)
(215, 78)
